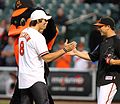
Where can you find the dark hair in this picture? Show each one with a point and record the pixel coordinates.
(113, 28)
(33, 23)
(108, 21)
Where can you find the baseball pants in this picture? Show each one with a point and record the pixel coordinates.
(107, 93)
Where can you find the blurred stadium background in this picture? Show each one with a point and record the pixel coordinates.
(81, 15)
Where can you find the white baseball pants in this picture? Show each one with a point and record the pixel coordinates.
(106, 93)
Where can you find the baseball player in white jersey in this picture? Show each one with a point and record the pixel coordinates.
(33, 52)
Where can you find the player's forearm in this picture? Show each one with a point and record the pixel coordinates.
(114, 62)
(52, 56)
(83, 55)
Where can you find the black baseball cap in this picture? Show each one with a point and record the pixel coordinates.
(105, 21)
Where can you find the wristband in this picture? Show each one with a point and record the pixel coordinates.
(65, 50)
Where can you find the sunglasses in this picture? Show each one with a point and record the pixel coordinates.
(40, 20)
(44, 20)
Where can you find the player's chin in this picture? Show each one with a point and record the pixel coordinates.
(44, 27)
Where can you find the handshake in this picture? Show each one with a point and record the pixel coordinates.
(69, 46)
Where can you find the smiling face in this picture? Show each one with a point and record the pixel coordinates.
(106, 26)
(103, 29)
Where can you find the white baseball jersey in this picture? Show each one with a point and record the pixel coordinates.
(32, 45)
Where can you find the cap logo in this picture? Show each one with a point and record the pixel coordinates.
(98, 21)
(18, 3)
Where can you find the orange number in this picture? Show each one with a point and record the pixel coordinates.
(21, 48)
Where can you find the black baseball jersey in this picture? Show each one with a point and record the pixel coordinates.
(107, 73)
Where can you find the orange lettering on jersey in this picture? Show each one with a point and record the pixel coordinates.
(25, 35)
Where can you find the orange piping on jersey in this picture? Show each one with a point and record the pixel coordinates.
(18, 12)
(50, 44)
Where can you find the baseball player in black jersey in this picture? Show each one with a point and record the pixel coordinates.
(107, 53)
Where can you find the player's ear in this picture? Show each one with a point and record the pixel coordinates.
(108, 27)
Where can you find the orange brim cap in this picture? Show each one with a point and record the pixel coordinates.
(99, 24)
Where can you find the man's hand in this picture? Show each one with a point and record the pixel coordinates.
(66, 42)
(69, 46)
(73, 52)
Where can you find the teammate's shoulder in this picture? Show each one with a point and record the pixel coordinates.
(117, 40)
(117, 37)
